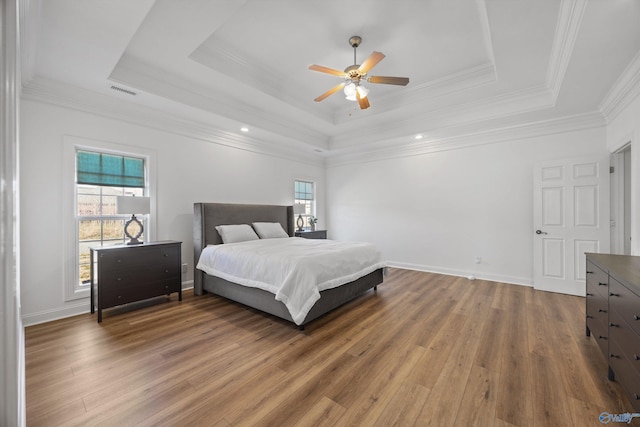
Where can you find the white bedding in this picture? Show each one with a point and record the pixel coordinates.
(295, 270)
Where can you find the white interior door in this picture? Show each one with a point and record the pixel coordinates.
(570, 217)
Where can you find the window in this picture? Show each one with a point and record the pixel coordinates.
(95, 173)
(100, 178)
(305, 195)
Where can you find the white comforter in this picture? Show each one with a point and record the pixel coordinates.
(294, 269)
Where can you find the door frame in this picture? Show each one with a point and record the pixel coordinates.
(620, 180)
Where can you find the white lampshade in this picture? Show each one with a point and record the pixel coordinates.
(350, 92)
(133, 205)
(299, 209)
(363, 91)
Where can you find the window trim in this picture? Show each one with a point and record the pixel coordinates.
(72, 290)
(314, 200)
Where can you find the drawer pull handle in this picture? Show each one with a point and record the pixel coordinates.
(589, 272)
(611, 294)
(119, 260)
(601, 311)
(119, 279)
(602, 337)
(166, 255)
(166, 270)
(589, 317)
(636, 357)
(602, 284)
(119, 296)
(613, 356)
(636, 317)
(589, 295)
(637, 396)
(613, 325)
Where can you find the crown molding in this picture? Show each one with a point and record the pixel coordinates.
(426, 94)
(73, 97)
(494, 108)
(391, 149)
(567, 28)
(153, 80)
(228, 62)
(486, 31)
(623, 91)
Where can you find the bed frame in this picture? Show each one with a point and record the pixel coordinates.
(206, 216)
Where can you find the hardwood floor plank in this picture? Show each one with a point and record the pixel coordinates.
(402, 410)
(515, 387)
(325, 413)
(479, 399)
(426, 349)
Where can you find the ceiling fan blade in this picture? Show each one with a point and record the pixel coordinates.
(363, 102)
(327, 70)
(401, 81)
(370, 62)
(330, 92)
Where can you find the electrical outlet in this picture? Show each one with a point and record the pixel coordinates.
(185, 268)
(478, 260)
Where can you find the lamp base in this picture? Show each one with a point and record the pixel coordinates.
(300, 223)
(133, 222)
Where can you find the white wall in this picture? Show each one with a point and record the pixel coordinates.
(188, 170)
(623, 129)
(439, 211)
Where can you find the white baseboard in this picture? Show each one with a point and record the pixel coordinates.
(69, 310)
(522, 281)
(50, 315)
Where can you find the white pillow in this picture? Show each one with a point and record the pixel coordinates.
(236, 233)
(269, 230)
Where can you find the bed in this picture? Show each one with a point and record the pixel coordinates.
(209, 215)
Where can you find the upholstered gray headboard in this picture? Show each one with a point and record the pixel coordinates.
(206, 216)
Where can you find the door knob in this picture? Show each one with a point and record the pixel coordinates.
(540, 232)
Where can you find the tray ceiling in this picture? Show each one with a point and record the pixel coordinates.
(474, 65)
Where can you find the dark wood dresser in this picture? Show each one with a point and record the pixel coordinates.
(128, 273)
(613, 316)
(311, 234)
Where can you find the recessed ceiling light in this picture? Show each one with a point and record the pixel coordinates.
(244, 129)
(418, 136)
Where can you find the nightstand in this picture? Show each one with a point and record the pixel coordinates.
(128, 273)
(315, 234)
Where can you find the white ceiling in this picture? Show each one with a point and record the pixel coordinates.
(217, 65)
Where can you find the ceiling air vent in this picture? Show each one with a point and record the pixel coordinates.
(123, 90)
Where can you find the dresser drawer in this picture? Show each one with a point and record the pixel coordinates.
(625, 303)
(597, 280)
(139, 256)
(134, 276)
(597, 307)
(627, 341)
(600, 333)
(123, 294)
(626, 375)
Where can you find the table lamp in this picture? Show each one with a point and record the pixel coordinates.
(133, 206)
(299, 209)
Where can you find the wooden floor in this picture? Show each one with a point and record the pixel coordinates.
(424, 350)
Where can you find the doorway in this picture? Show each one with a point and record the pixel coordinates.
(621, 201)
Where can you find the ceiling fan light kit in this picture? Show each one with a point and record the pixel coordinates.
(355, 74)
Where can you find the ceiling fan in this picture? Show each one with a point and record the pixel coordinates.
(355, 74)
